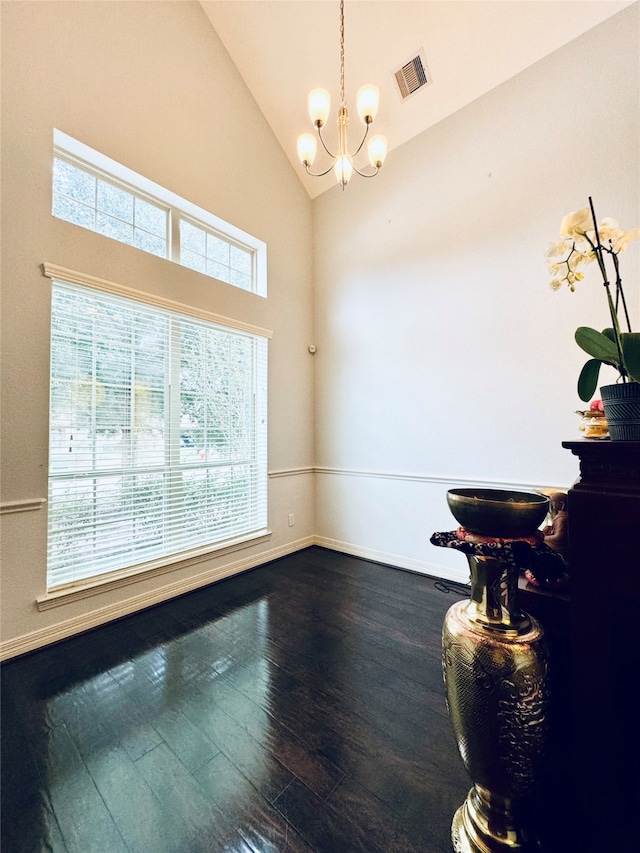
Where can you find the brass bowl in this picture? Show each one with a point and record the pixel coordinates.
(498, 512)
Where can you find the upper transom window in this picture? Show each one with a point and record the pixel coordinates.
(95, 192)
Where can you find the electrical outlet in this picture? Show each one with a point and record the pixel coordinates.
(292, 519)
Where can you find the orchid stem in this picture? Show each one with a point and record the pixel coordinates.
(612, 309)
(620, 291)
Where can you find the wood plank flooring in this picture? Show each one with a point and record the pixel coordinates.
(298, 707)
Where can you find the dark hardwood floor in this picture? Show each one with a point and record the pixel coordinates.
(298, 707)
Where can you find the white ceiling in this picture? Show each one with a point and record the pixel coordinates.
(285, 48)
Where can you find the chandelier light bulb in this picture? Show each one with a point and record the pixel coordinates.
(368, 100)
(377, 149)
(343, 169)
(319, 106)
(307, 147)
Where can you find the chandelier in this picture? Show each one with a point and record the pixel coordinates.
(319, 105)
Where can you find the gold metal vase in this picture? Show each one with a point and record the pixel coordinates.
(495, 667)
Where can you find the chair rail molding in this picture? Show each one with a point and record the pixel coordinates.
(28, 505)
(452, 481)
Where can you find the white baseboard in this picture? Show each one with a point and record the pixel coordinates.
(85, 621)
(395, 560)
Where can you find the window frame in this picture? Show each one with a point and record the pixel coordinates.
(178, 217)
(167, 561)
(81, 156)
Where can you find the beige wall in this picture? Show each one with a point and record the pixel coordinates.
(150, 85)
(443, 356)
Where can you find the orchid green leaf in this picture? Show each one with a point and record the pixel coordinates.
(631, 353)
(596, 344)
(588, 379)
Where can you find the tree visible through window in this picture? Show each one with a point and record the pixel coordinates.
(157, 434)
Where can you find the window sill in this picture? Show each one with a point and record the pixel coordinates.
(106, 583)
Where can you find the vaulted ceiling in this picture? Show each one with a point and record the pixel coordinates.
(285, 48)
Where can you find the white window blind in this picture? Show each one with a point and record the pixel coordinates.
(157, 435)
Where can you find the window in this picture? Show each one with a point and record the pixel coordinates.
(81, 197)
(157, 435)
(97, 193)
(201, 250)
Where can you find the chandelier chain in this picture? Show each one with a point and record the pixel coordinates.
(342, 103)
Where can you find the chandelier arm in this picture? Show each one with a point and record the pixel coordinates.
(324, 145)
(364, 174)
(322, 174)
(359, 148)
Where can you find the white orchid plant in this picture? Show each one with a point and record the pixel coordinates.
(582, 241)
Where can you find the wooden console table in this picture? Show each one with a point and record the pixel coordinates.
(604, 560)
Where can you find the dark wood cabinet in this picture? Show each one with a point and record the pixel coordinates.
(604, 560)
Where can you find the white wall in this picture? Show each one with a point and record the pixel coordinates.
(443, 356)
(150, 85)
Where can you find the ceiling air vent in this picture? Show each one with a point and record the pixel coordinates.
(413, 75)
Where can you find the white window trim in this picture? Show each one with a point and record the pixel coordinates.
(66, 146)
(75, 277)
(146, 571)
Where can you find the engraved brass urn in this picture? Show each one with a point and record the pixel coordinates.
(495, 670)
